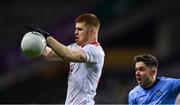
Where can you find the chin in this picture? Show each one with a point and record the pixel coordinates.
(78, 43)
(140, 83)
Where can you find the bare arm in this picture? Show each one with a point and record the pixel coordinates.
(64, 52)
(50, 55)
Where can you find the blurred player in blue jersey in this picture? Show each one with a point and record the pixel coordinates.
(152, 89)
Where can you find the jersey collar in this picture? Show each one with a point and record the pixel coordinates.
(93, 43)
(157, 80)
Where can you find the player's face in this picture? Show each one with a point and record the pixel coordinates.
(144, 75)
(81, 33)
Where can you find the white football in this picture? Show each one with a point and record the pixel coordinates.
(33, 44)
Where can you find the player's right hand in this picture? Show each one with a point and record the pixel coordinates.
(37, 29)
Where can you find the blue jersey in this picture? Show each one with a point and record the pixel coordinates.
(164, 91)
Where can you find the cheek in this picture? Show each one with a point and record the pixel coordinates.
(142, 74)
(81, 34)
(84, 37)
(146, 75)
(81, 37)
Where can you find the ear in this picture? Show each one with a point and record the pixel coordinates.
(153, 71)
(90, 32)
(94, 31)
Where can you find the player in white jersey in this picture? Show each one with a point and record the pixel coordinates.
(86, 58)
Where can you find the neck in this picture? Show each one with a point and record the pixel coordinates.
(155, 80)
(92, 38)
(90, 41)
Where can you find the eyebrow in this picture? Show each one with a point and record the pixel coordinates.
(78, 28)
(139, 68)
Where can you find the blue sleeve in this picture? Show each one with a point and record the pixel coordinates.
(176, 86)
(131, 100)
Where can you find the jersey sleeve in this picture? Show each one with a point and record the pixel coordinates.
(176, 86)
(73, 45)
(92, 53)
(131, 100)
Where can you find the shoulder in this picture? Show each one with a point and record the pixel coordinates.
(95, 48)
(92, 46)
(134, 94)
(167, 79)
(135, 90)
(172, 84)
(94, 53)
(73, 45)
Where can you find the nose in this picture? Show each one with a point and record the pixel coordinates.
(137, 73)
(76, 32)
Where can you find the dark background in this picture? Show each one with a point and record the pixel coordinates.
(128, 28)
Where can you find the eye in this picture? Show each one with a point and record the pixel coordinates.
(140, 69)
(79, 29)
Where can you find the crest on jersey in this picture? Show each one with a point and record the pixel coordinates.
(158, 93)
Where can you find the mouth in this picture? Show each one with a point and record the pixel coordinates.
(76, 39)
(139, 80)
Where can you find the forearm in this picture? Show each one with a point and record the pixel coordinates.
(63, 52)
(50, 55)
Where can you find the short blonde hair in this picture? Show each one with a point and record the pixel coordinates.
(89, 19)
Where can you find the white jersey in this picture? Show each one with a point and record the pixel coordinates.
(84, 77)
